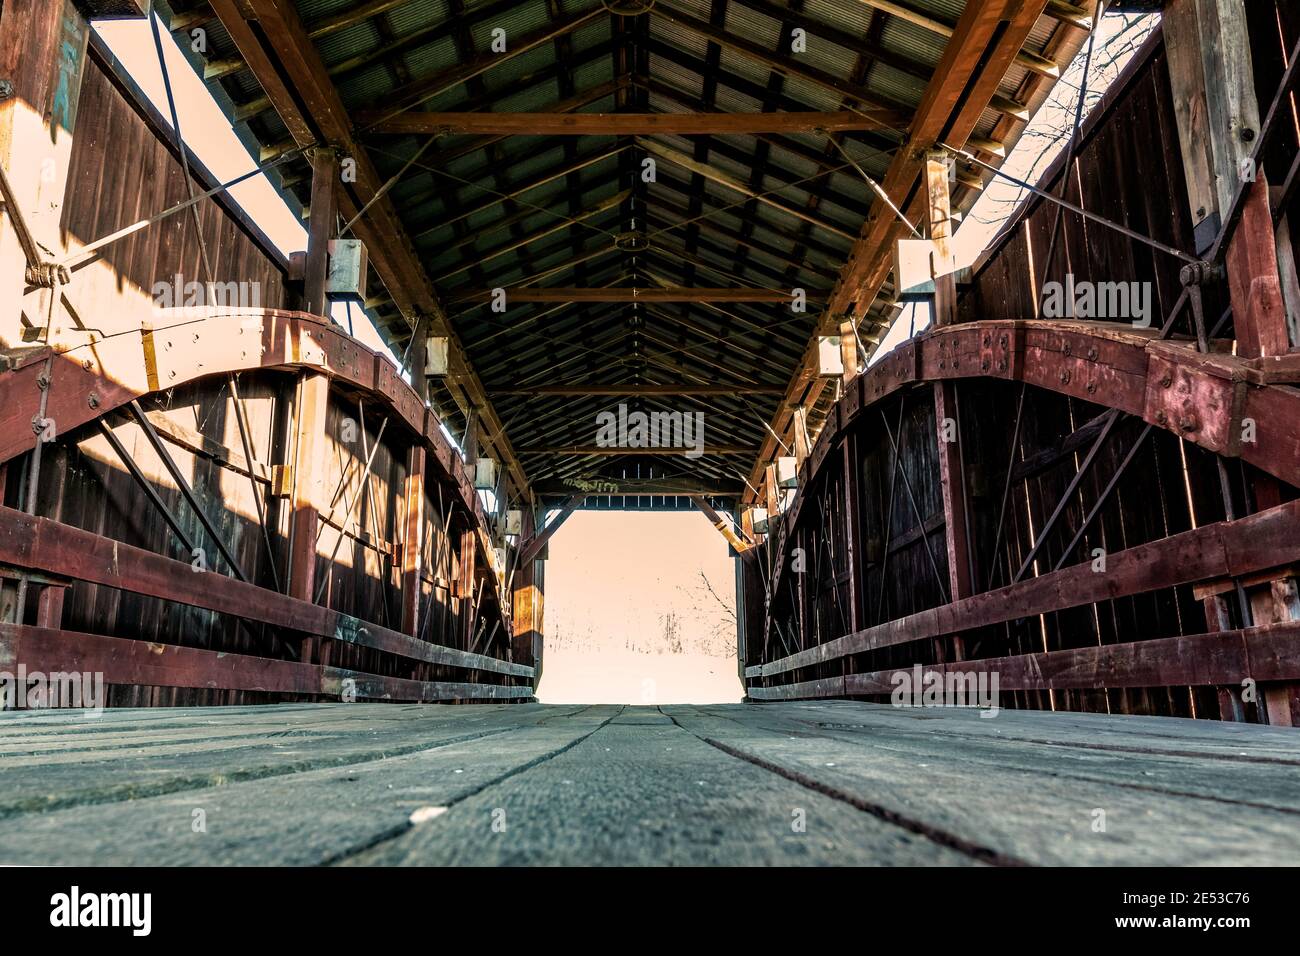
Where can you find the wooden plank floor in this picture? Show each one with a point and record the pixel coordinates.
(831, 782)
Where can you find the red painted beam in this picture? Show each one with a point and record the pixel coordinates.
(1269, 653)
(124, 661)
(40, 544)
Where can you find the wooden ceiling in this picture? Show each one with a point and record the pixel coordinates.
(749, 112)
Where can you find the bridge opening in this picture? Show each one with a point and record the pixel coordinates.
(641, 610)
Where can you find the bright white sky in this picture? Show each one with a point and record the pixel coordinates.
(608, 611)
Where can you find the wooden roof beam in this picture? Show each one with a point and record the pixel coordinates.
(629, 295)
(983, 46)
(1026, 58)
(601, 485)
(497, 198)
(866, 47)
(601, 451)
(424, 90)
(629, 391)
(289, 56)
(632, 124)
(429, 87)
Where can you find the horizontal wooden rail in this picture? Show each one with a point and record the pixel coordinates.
(40, 544)
(126, 661)
(1227, 549)
(1267, 653)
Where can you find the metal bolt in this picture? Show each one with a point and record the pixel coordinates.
(92, 400)
(1065, 377)
(6, 89)
(1167, 381)
(43, 381)
(1161, 417)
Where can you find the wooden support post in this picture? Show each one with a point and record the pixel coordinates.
(849, 349)
(42, 56)
(529, 549)
(939, 204)
(773, 501)
(465, 584)
(1278, 602)
(1258, 310)
(952, 482)
(49, 607)
(526, 598)
(1212, 80)
(308, 483)
(1231, 705)
(320, 228)
(802, 443)
(413, 540)
(852, 544)
(738, 544)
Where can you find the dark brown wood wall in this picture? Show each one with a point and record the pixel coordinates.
(122, 171)
(1126, 168)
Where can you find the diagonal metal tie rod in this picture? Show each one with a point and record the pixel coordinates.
(916, 509)
(878, 189)
(184, 486)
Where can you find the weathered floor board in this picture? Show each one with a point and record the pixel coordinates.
(830, 782)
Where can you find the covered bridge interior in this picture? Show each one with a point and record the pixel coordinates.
(563, 218)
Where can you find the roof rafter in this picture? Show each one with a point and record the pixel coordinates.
(323, 120)
(984, 44)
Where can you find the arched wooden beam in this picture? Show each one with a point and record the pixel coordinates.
(105, 373)
(1202, 398)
